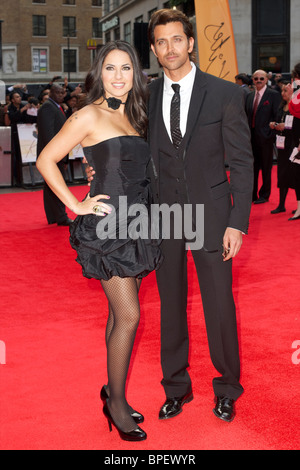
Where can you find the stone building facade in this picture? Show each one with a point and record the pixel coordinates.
(44, 38)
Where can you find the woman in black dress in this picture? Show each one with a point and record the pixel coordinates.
(294, 108)
(111, 128)
(287, 136)
(283, 143)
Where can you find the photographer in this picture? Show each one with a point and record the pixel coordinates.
(32, 111)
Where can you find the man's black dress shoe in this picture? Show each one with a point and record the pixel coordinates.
(278, 210)
(261, 200)
(65, 222)
(173, 406)
(224, 408)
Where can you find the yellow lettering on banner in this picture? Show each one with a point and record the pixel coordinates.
(216, 46)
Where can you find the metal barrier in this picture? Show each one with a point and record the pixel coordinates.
(5, 156)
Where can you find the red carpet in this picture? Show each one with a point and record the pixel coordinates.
(53, 323)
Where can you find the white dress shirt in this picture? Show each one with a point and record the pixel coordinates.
(186, 87)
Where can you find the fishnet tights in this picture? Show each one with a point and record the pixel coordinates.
(122, 324)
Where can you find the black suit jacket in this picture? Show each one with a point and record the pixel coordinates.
(217, 127)
(266, 113)
(49, 122)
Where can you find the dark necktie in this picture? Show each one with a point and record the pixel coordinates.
(175, 116)
(255, 104)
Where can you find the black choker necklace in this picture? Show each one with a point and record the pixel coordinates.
(114, 103)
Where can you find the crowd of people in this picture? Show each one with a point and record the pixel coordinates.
(21, 107)
(275, 132)
(272, 141)
(165, 143)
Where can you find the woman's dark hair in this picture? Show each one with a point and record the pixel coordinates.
(296, 71)
(165, 16)
(135, 107)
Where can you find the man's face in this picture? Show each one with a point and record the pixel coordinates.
(16, 99)
(172, 47)
(57, 94)
(260, 79)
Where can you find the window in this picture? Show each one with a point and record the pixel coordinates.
(106, 6)
(127, 32)
(38, 1)
(39, 25)
(69, 2)
(96, 3)
(69, 26)
(270, 57)
(70, 60)
(39, 60)
(271, 18)
(150, 13)
(139, 19)
(270, 35)
(117, 33)
(97, 28)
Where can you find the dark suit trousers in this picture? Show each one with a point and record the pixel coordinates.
(263, 160)
(55, 210)
(215, 280)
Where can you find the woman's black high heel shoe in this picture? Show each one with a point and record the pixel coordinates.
(134, 436)
(138, 417)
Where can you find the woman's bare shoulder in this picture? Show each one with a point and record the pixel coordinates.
(85, 113)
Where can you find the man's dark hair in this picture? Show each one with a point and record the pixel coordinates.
(165, 16)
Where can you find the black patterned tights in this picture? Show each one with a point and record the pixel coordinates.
(122, 324)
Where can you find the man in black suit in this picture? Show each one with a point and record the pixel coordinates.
(261, 107)
(51, 118)
(213, 124)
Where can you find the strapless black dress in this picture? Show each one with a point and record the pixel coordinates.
(110, 246)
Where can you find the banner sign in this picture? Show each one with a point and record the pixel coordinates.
(28, 144)
(216, 46)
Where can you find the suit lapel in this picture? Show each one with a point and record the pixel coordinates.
(263, 99)
(155, 112)
(198, 95)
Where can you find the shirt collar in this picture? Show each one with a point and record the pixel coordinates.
(261, 92)
(186, 83)
(58, 105)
